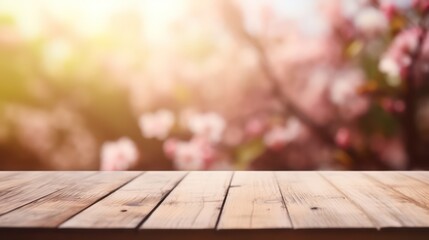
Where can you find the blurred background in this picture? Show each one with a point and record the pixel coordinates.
(214, 84)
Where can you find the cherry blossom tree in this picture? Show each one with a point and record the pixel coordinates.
(201, 85)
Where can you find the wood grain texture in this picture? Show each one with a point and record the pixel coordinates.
(11, 180)
(6, 175)
(416, 191)
(194, 204)
(312, 202)
(214, 204)
(254, 201)
(385, 206)
(55, 208)
(22, 188)
(422, 176)
(129, 205)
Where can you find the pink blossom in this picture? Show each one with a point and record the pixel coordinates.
(371, 21)
(280, 136)
(156, 125)
(170, 147)
(393, 106)
(421, 5)
(389, 10)
(207, 125)
(344, 94)
(254, 127)
(345, 87)
(192, 155)
(398, 57)
(391, 67)
(118, 155)
(343, 138)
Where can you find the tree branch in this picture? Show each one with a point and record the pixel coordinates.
(234, 21)
(284, 98)
(412, 138)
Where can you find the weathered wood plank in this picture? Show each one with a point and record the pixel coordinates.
(5, 175)
(10, 180)
(14, 179)
(411, 188)
(422, 176)
(55, 208)
(312, 202)
(254, 201)
(25, 187)
(194, 204)
(321, 200)
(385, 206)
(129, 205)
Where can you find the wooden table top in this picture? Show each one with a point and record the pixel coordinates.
(214, 205)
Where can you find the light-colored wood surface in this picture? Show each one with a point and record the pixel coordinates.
(385, 206)
(313, 202)
(128, 206)
(211, 203)
(55, 208)
(23, 188)
(412, 189)
(194, 204)
(254, 201)
(422, 176)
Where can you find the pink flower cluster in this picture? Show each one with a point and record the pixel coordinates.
(254, 127)
(209, 126)
(196, 154)
(118, 155)
(344, 94)
(371, 21)
(156, 125)
(334, 80)
(199, 152)
(343, 138)
(279, 136)
(397, 59)
(421, 6)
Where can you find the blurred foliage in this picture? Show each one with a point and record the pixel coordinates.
(213, 85)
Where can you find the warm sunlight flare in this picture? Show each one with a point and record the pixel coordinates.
(210, 85)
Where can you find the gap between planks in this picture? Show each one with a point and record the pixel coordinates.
(129, 205)
(195, 203)
(231, 200)
(385, 206)
(24, 188)
(312, 202)
(53, 209)
(254, 201)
